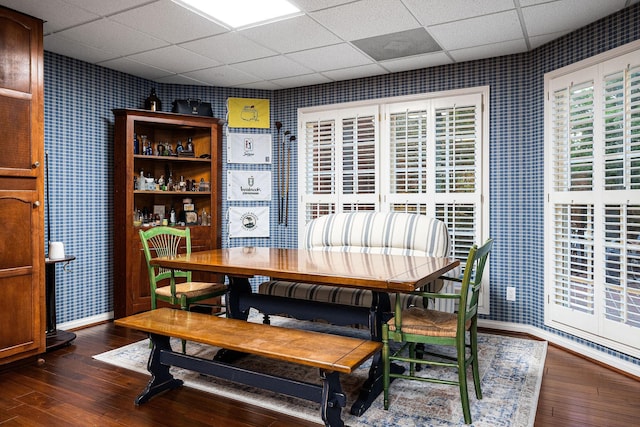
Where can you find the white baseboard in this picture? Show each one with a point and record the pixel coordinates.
(79, 323)
(591, 353)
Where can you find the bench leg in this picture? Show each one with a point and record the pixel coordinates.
(333, 399)
(161, 379)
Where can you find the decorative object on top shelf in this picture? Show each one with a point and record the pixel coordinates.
(153, 103)
(192, 106)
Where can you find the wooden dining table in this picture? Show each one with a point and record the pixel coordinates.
(380, 273)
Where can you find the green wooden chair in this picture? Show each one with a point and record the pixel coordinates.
(419, 329)
(167, 241)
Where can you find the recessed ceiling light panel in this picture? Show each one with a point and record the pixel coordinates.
(241, 13)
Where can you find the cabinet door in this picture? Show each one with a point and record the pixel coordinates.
(20, 278)
(20, 117)
(22, 311)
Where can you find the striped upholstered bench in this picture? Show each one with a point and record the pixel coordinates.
(374, 232)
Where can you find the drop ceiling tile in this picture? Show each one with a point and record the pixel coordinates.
(223, 76)
(105, 8)
(135, 68)
(228, 48)
(380, 16)
(341, 55)
(71, 48)
(179, 79)
(355, 72)
(262, 85)
(304, 80)
(495, 50)
(556, 16)
(291, 35)
(537, 41)
(274, 67)
(108, 35)
(168, 21)
(57, 14)
(174, 59)
(483, 30)
(417, 62)
(311, 5)
(431, 12)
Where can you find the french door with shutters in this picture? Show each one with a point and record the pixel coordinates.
(426, 154)
(592, 237)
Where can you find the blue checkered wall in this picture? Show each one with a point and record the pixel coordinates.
(79, 98)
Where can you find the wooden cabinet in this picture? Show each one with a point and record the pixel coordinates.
(22, 306)
(134, 196)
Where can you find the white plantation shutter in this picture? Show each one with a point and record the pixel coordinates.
(337, 162)
(457, 141)
(359, 155)
(622, 129)
(622, 264)
(463, 223)
(574, 249)
(592, 264)
(319, 138)
(408, 151)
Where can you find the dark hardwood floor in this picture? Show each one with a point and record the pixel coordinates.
(69, 388)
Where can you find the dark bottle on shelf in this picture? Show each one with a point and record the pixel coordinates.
(153, 103)
(136, 144)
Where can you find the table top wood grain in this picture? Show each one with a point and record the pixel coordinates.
(378, 272)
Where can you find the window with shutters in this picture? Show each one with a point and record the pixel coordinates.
(592, 233)
(426, 154)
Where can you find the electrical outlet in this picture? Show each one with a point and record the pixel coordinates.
(511, 293)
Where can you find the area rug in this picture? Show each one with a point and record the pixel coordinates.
(510, 370)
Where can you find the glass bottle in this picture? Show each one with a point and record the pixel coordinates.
(172, 216)
(204, 217)
(170, 182)
(136, 144)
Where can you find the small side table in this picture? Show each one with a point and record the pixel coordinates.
(55, 338)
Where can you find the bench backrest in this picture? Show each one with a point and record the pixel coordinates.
(395, 233)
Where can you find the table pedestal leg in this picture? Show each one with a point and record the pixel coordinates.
(238, 286)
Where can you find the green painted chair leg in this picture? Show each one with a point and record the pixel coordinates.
(386, 366)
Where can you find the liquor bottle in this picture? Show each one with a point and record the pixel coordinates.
(172, 217)
(136, 144)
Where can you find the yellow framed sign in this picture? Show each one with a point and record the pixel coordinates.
(248, 113)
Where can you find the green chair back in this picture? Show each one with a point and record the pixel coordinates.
(164, 242)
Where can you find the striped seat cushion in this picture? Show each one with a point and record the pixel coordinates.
(332, 294)
(393, 233)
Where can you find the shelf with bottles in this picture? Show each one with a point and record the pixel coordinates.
(154, 211)
(161, 176)
(171, 142)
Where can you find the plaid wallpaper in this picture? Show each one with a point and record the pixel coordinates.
(79, 98)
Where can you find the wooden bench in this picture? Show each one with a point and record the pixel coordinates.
(331, 354)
